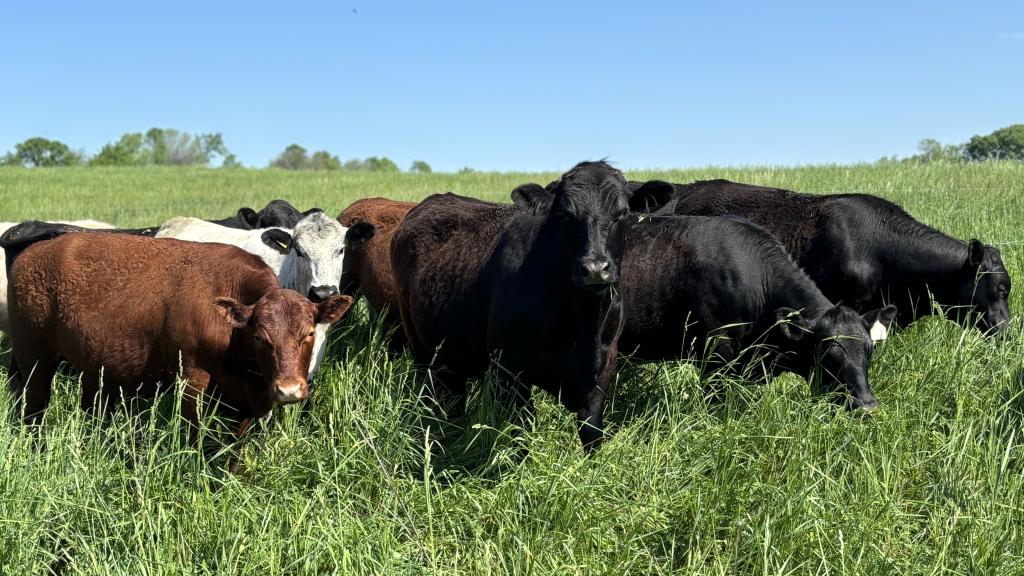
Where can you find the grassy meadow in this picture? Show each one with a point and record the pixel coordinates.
(771, 481)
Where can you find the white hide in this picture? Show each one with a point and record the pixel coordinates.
(314, 260)
(879, 332)
(4, 226)
(197, 230)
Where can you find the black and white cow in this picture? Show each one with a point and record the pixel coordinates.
(702, 286)
(860, 249)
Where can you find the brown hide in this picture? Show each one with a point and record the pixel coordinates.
(367, 269)
(134, 309)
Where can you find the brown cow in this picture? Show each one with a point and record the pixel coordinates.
(135, 312)
(367, 269)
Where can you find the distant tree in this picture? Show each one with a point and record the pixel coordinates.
(931, 150)
(467, 170)
(420, 166)
(43, 153)
(230, 161)
(162, 146)
(127, 151)
(382, 164)
(1003, 144)
(353, 165)
(293, 158)
(323, 160)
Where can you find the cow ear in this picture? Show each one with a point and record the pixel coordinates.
(791, 323)
(358, 233)
(333, 308)
(975, 253)
(879, 322)
(233, 311)
(650, 196)
(279, 240)
(249, 217)
(533, 198)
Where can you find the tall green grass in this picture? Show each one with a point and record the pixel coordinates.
(770, 482)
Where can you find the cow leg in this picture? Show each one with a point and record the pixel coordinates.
(32, 384)
(449, 391)
(723, 358)
(591, 419)
(196, 382)
(235, 463)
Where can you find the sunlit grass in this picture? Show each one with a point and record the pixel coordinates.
(369, 481)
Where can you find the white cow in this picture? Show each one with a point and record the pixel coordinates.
(4, 226)
(307, 259)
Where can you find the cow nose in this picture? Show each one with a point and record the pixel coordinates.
(321, 293)
(290, 390)
(595, 271)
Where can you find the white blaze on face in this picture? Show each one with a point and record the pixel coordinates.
(315, 260)
(879, 332)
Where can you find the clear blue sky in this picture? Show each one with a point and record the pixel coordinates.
(518, 85)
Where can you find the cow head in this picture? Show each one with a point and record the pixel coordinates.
(984, 288)
(839, 345)
(316, 251)
(279, 214)
(589, 205)
(278, 330)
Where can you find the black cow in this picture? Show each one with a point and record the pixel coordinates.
(860, 249)
(276, 214)
(696, 285)
(535, 284)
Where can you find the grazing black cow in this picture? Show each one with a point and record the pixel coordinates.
(535, 284)
(696, 285)
(860, 249)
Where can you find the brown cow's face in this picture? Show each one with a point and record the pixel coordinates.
(279, 330)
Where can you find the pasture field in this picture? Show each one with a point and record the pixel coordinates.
(769, 482)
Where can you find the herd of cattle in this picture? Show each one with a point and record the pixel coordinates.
(553, 287)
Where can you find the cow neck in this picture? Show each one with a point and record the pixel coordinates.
(920, 251)
(794, 289)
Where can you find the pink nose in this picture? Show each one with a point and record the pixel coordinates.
(291, 390)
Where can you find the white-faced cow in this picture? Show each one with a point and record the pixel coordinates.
(860, 249)
(536, 284)
(714, 287)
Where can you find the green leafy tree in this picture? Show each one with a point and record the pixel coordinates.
(931, 150)
(293, 158)
(162, 146)
(420, 167)
(127, 151)
(42, 153)
(382, 164)
(323, 160)
(1003, 144)
(230, 161)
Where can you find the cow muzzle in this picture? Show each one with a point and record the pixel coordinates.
(595, 272)
(290, 390)
(320, 293)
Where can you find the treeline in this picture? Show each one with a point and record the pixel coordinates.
(169, 147)
(1003, 144)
